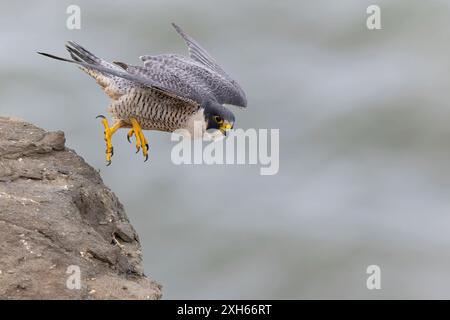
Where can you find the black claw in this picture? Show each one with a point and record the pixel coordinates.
(138, 149)
(146, 158)
(128, 138)
(100, 116)
(108, 163)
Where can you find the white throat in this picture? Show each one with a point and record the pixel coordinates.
(196, 124)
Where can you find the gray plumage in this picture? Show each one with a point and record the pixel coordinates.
(166, 93)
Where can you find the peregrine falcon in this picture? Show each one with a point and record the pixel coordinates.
(169, 92)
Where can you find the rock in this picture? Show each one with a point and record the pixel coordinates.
(57, 218)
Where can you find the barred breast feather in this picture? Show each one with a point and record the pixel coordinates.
(152, 109)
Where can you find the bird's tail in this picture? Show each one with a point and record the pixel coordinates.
(101, 70)
(80, 54)
(107, 74)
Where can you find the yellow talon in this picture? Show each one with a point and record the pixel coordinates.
(109, 131)
(129, 135)
(141, 141)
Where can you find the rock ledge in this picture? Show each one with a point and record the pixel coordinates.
(57, 217)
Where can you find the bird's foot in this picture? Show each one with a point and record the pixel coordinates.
(109, 131)
(141, 141)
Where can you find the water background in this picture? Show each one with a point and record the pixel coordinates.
(364, 141)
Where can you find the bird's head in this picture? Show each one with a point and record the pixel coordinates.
(218, 117)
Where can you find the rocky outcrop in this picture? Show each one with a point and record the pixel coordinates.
(63, 233)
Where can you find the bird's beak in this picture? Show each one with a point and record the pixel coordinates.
(225, 127)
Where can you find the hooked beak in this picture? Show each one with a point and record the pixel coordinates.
(225, 126)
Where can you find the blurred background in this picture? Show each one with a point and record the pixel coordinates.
(364, 141)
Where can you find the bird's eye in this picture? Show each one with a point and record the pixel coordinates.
(218, 119)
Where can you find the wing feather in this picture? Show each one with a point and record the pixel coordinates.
(195, 79)
(198, 54)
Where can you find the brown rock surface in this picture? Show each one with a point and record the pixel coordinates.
(55, 212)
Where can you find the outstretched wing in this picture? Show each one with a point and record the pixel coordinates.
(196, 80)
(168, 83)
(200, 70)
(199, 54)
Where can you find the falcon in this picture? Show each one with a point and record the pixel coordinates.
(169, 92)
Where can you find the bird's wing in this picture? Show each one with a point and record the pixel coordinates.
(171, 81)
(165, 82)
(210, 78)
(196, 80)
(188, 76)
(199, 54)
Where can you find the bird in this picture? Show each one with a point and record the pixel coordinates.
(169, 92)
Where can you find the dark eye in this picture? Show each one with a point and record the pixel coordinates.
(218, 119)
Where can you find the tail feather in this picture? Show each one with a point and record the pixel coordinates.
(84, 58)
(79, 53)
(106, 74)
(88, 62)
(111, 71)
(55, 57)
(102, 78)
